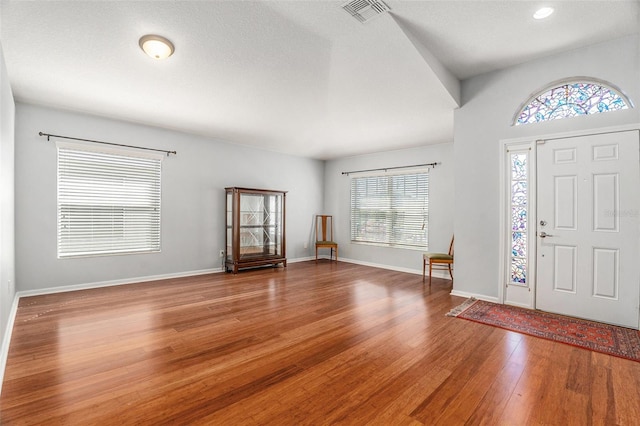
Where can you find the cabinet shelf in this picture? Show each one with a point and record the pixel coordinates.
(255, 225)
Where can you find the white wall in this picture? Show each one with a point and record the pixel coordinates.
(193, 206)
(7, 241)
(193, 180)
(489, 104)
(441, 195)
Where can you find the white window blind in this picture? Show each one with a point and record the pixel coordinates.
(391, 210)
(107, 203)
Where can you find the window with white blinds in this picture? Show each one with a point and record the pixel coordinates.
(391, 210)
(107, 203)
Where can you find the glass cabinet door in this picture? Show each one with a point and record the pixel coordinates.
(260, 225)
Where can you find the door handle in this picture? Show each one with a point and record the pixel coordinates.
(545, 235)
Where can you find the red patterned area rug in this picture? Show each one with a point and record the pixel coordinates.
(608, 339)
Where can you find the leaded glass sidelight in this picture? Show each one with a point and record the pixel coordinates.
(518, 200)
(570, 100)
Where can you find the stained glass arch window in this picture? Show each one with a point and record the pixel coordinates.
(564, 99)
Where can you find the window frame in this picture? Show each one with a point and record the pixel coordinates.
(151, 211)
(390, 242)
(509, 293)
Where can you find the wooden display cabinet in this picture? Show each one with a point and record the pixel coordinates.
(255, 228)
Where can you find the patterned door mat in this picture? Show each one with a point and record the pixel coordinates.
(609, 339)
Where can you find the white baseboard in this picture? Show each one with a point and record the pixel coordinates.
(455, 292)
(4, 350)
(98, 284)
(305, 259)
(436, 274)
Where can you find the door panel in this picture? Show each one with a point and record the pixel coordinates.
(564, 263)
(588, 197)
(566, 209)
(605, 201)
(605, 273)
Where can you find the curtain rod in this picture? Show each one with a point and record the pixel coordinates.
(49, 136)
(390, 168)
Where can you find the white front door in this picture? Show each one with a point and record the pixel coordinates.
(588, 198)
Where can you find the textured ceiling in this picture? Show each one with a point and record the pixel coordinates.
(301, 77)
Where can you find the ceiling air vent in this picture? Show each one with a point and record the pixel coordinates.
(365, 10)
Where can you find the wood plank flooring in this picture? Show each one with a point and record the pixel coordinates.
(310, 344)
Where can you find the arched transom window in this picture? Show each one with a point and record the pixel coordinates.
(570, 99)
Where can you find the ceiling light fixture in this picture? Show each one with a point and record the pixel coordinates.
(156, 46)
(543, 12)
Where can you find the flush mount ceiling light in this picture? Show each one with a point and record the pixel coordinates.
(156, 46)
(543, 12)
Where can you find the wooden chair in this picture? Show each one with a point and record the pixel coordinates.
(440, 260)
(324, 225)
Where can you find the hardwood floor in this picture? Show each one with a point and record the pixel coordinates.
(312, 344)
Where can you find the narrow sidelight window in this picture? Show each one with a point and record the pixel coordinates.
(519, 200)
